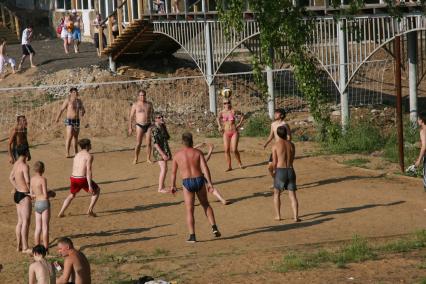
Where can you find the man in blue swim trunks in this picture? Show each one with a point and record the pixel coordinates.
(283, 153)
(196, 178)
(77, 29)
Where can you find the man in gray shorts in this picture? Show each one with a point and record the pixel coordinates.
(283, 153)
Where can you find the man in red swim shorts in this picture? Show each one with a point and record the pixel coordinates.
(81, 178)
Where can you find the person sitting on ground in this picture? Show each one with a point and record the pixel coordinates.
(196, 178)
(41, 271)
(212, 190)
(20, 179)
(18, 137)
(283, 153)
(81, 178)
(41, 205)
(76, 267)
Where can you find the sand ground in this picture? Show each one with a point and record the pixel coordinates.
(336, 202)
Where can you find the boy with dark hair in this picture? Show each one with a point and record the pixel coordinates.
(283, 153)
(279, 116)
(41, 270)
(27, 49)
(81, 178)
(421, 121)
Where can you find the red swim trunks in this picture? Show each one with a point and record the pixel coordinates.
(79, 183)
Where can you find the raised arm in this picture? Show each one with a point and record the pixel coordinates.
(270, 137)
(63, 107)
(11, 141)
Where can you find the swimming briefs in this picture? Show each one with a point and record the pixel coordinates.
(230, 133)
(194, 184)
(27, 49)
(285, 178)
(144, 126)
(79, 183)
(72, 122)
(41, 205)
(18, 196)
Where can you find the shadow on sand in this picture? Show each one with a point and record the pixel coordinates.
(139, 208)
(238, 178)
(99, 183)
(338, 179)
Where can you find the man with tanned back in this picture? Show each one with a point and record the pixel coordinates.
(20, 179)
(76, 266)
(81, 178)
(279, 116)
(142, 111)
(283, 153)
(196, 177)
(74, 107)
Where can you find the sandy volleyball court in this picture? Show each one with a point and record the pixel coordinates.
(336, 202)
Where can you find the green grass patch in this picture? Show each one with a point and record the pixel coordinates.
(160, 252)
(358, 162)
(257, 125)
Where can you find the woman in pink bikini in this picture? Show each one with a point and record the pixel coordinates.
(226, 121)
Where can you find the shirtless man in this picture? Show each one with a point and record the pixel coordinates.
(195, 174)
(421, 121)
(142, 111)
(20, 179)
(77, 30)
(76, 268)
(75, 108)
(81, 178)
(41, 271)
(279, 116)
(18, 137)
(283, 153)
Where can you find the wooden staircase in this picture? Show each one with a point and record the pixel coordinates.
(138, 38)
(9, 25)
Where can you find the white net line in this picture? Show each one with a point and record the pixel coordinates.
(183, 101)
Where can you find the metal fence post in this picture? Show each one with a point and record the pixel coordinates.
(209, 71)
(412, 74)
(343, 59)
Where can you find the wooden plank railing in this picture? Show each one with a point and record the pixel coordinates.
(9, 19)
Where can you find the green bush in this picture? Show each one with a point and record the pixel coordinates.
(257, 126)
(360, 138)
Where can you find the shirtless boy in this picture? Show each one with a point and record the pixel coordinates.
(20, 179)
(41, 271)
(283, 153)
(196, 178)
(279, 116)
(74, 107)
(421, 121)
(41, 205)
(81, 178)
(76, 268)
(77, 29)
(142, 110)
(18, 137)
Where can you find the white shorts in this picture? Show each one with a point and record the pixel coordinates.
(66, 34)
(4, 60)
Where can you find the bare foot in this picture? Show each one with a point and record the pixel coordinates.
(163, 190)
(277, 219)
(226, 202)
(135, 161)
(228, 170)
(91, 214)
(241, 166)
(18, 248)
(149, 161)
(27, 251)
(33, 66)
(297, 220)
(62, 215)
